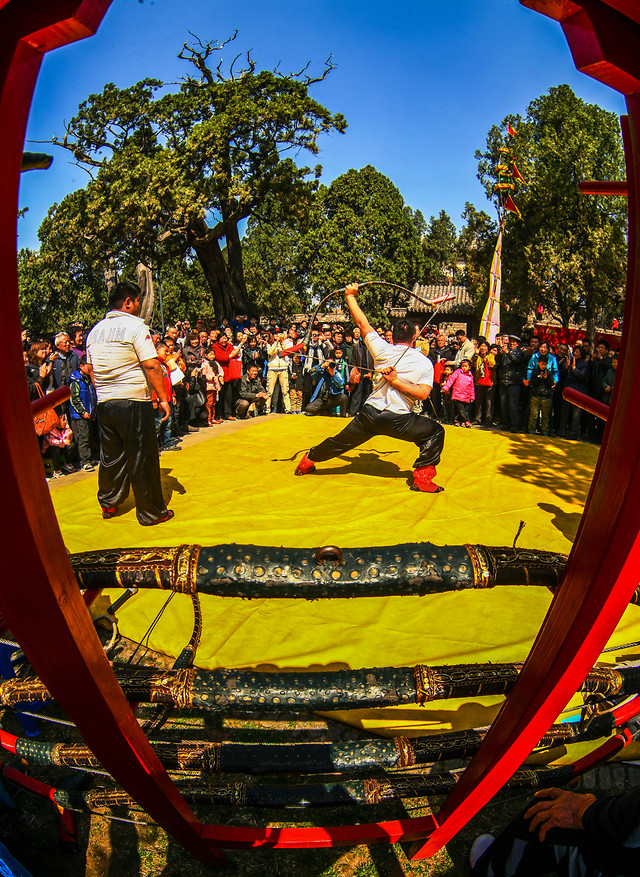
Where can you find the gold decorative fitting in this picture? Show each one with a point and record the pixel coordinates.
(482, 574)
(371, 791)
(603, 680)
(186, 569)
(406, 752)
(181, 687)
(15, 691)
(425, 684)
(211, 757)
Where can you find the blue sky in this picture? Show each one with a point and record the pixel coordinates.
(420, 83)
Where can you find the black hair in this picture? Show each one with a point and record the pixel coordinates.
(403, 332)
(121, 292)
(604, 343)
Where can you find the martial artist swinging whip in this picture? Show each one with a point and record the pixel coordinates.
(405, 375)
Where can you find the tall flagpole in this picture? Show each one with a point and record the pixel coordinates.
(490, 322)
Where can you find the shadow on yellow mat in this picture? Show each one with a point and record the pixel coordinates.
(239, 487)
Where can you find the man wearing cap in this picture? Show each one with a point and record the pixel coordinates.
(317, 352)
(405, 375)
(125, 368)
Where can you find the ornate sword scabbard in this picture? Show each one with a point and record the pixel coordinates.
(242, 690)
(252, 571)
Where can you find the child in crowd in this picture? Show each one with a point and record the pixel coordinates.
(541, 390)
(57, 443)
(164, 427)
(82, 411)
(342, 368)
(445, 398)
(460, 385)
(296, 380)
(212, 372)
(483, 366)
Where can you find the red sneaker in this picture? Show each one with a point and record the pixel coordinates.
(423, 480)
(109, 513)
(305, 466)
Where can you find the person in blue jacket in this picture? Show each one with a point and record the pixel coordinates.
(82, 411)
(329, 390)
(552, 363)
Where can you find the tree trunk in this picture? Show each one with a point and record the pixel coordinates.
(228, 291)
(147, 297)
(236, 271)
(110, 275)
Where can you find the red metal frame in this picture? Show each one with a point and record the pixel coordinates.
(39, 596)
(587, 403)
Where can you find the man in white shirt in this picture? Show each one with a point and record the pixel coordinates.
(405, 375)
(125, 369)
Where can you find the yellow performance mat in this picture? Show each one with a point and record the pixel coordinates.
(237, 485)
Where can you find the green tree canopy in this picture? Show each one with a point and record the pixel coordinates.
(174, 171)
(363, 231)
(276, 259)
(568, 252)
(440, 249)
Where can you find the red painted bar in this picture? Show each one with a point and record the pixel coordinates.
(587, 403)
(56, 397)
(603, 187)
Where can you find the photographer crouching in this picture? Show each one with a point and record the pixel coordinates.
(329, 391)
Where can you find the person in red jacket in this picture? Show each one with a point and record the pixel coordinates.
(462, 390)
(225, 356)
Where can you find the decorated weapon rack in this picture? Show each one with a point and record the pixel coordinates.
(598, 580)
(365, 771)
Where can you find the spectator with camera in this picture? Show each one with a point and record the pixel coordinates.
(329, 391)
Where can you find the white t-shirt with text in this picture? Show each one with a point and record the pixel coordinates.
(116, 347)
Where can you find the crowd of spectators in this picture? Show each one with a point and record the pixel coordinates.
(238, 369)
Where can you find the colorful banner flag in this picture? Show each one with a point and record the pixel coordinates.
(509, 205)
(490, 322)
(517, 175)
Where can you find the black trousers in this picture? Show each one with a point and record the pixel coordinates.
(82, 430)
(129, 458)
(335, 400)
(426, 434)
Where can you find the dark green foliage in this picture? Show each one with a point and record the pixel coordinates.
(364, 231)
(440, 249)
(275, 258)
(50, 296)
(178, 171)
